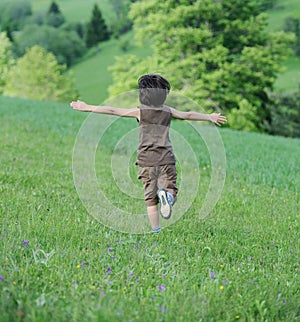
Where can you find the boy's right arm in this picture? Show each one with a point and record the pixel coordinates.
(84, 107)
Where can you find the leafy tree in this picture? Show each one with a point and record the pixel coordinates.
(218, 53)
(285, 115)
(6, 61)
(67, 46)
(96, 30)
(123, 22)
(292, 24)
(267, 4)
(13, 14)
(74, 26)
(37, 75)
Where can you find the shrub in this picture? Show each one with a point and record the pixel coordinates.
(285, 115)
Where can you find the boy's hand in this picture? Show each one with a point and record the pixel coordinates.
(217, 118)
(79, 105)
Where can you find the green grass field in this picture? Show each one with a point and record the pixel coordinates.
(58, 263)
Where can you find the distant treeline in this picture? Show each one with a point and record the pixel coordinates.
(50, 30)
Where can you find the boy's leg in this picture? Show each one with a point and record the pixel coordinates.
(148, 176)
(167, 192)
(167, 180)
(153, 216)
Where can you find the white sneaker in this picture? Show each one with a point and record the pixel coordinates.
(166, 201)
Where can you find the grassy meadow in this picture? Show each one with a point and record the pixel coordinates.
(58, 263)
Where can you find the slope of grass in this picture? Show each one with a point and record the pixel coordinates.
(58, 263)
(289, 79)
(282, 10)
(91, 74)
(77, 10)
(92, 77)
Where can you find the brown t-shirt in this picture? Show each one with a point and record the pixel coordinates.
(155, 147)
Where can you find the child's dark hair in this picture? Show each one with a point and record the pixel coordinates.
(153, 89)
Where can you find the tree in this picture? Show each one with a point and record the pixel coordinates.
(54, 8)
(6, 60)
(66, 45)
(267, 4)
(217, 53)
(13, 14)
(96, 30)
(122, 24)
(285, 114)
(54, 16)
(292, 24)
(37, 75)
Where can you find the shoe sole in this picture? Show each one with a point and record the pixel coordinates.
(165, 208)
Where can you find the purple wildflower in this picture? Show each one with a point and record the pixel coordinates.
(25, 242)
(109, 249)
(82, 264)
(130, 274)
(212, 275)
(251, 258)
(162, 287)
(137, 281)
(163, 276)
(153, 298)
(224, 282)
(284, 302)
(1, 278)
(164, 309)
(108, 272)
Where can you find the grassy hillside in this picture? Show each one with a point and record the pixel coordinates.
(77, 10)
(92, 85)
(289, 79)
(91, 75)
(282, 10)
(58, 263)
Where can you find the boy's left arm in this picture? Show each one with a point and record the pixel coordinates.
(215, 118)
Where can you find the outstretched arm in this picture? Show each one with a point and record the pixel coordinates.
(215, 118)
(84, 107)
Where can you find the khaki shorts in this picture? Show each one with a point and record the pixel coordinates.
(158, 177)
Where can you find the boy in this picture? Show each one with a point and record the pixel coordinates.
(155, 158)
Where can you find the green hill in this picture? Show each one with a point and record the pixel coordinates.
(58, 263)
(77, 10)
(288, 80)
(91, 75)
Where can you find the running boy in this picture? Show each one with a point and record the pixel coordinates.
(155, 158)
